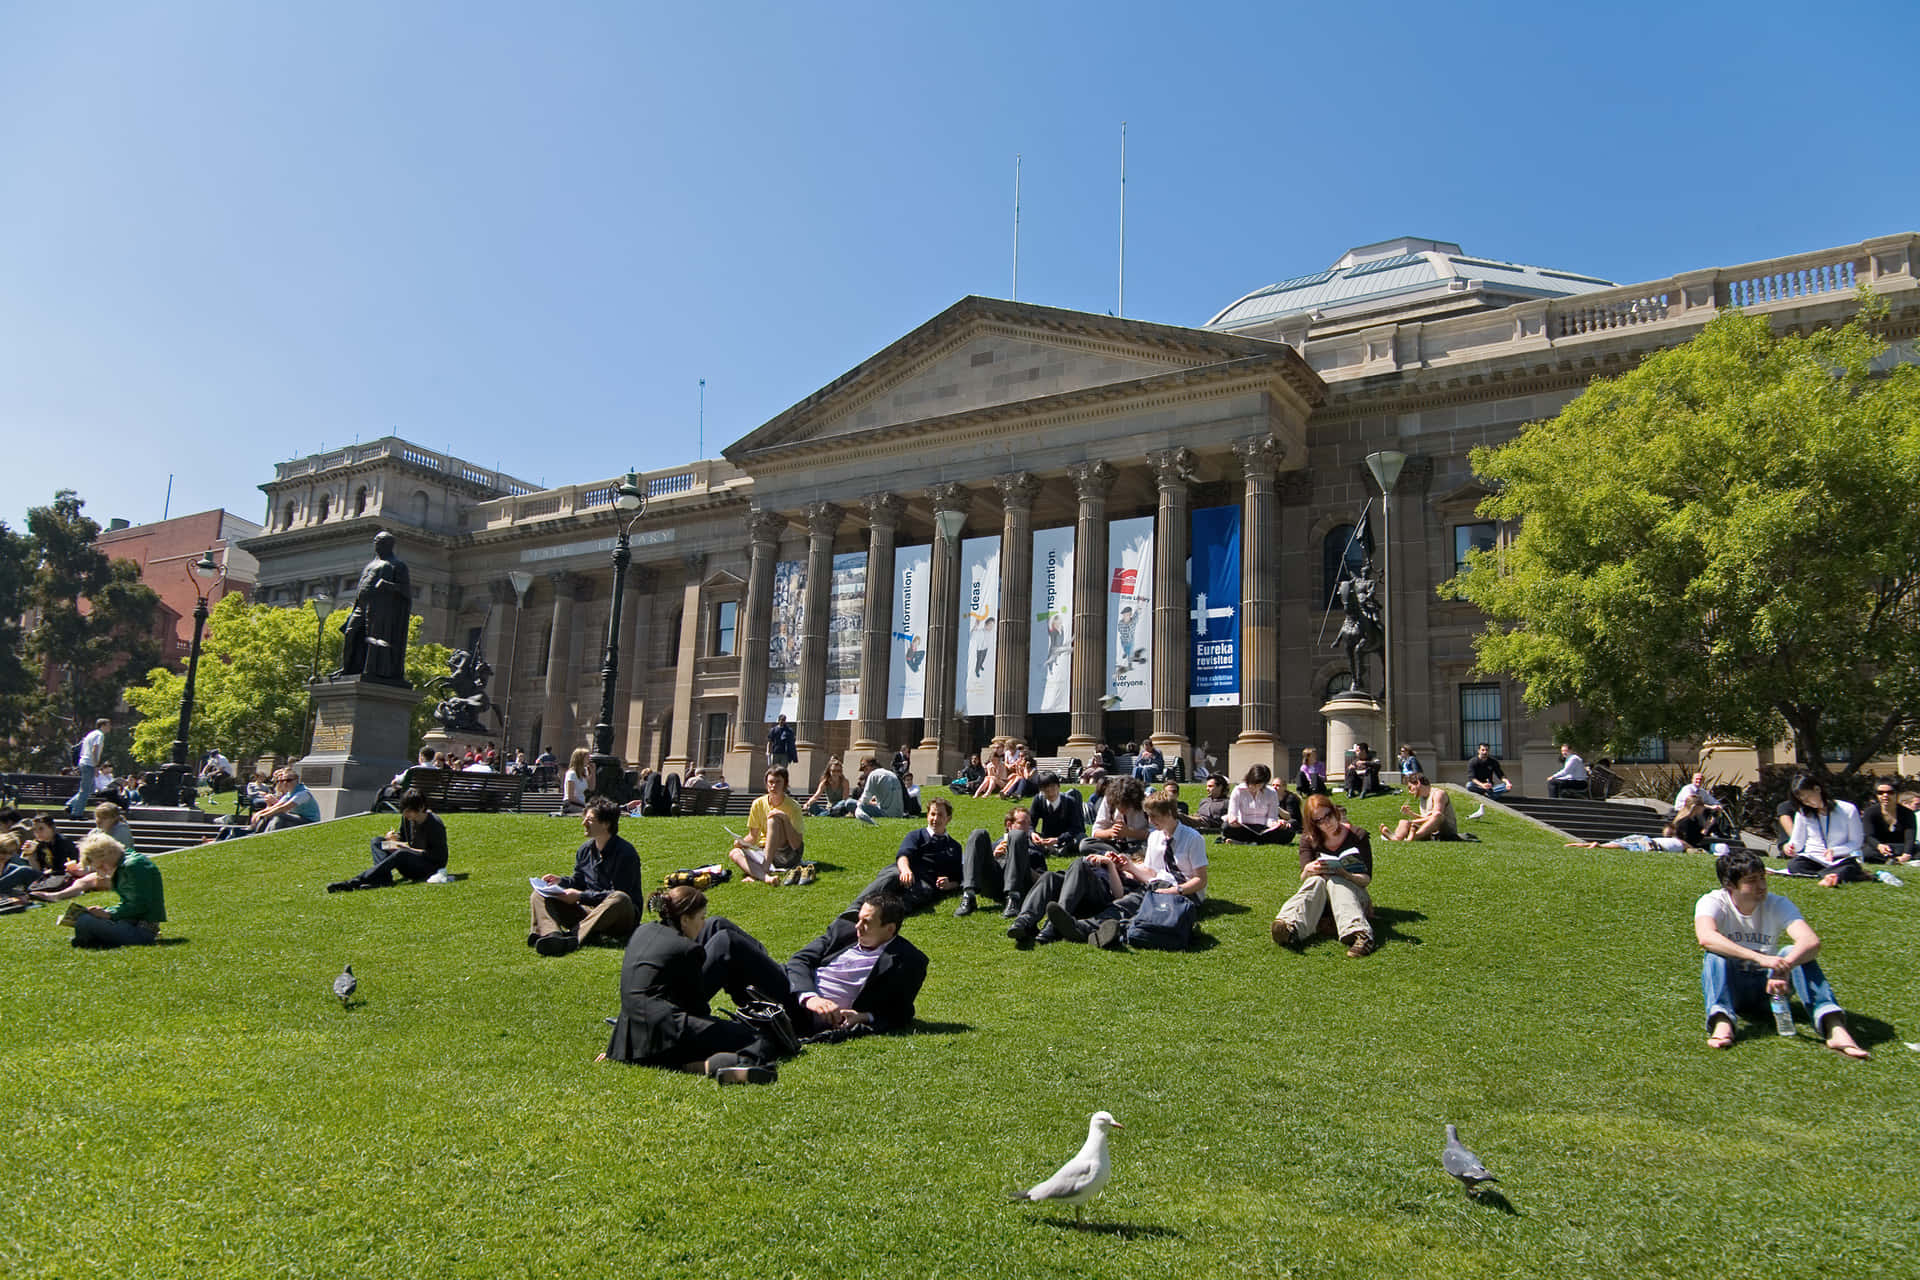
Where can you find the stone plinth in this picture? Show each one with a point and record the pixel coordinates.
(1351, 717)
(457, 742)
(362, 730)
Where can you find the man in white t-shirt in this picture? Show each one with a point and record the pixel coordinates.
(93, 750)
(1740, 925)
(1175, 862)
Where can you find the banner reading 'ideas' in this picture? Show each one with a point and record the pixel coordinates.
(980, 615)
(783, 640)
(845, 608)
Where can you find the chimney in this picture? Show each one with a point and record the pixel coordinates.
(116, 524)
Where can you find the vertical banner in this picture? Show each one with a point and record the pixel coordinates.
(1050, 649)
(783, 640)
(846, 608)
(1130, 614)
(980, 612)
(1213, 593)
(907, 690)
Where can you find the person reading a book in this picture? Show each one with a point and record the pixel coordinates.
(414, 850)
(1336, 866)
(598, 898)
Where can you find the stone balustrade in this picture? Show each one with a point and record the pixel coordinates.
(394, 447)
(694, 480)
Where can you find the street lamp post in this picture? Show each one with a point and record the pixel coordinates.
(609, 771)
(521, 580)
(322, 606)
(1385, 466)
(175, 786)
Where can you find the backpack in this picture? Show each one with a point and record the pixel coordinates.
(1164, 922)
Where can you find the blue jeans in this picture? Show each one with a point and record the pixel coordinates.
(90, 930)
(1147, 772)
(77, 807)
(1731, 989)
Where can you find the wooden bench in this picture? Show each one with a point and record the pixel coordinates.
(41, 788)
(451, 791)
(706, 802)
(1068, 767)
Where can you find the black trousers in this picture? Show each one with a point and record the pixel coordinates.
(738, 964)
(403, 862)
(1256, 835)
(1082, 889)
(1557, 787)
(982, 873)
(918, 895)
(1849, 869)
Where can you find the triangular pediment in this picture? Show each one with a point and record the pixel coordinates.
(981, 354)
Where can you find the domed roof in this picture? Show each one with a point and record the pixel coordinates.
(1396, 274)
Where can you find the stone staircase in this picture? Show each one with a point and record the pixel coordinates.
(1579, 819)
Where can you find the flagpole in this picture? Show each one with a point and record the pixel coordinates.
(1120, 308)
(1016, 226)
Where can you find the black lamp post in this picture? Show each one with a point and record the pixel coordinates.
(174, 781)
(609, 771)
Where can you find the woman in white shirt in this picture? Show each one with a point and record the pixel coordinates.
(573, 796)
(1255, 814)
(1827, 835)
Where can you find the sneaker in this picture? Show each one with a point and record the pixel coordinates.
(791, 875)
(968, 905)
(1022, 931)
(1064, 924)
(745, 1074)
(1282, 933)
(556, 944)
(440, 877)
(807, 872)
(1360, 945)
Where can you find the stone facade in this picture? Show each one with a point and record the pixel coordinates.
(1012, 420)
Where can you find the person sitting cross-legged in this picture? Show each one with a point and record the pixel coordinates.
(1433, 820)
(1211, 813)
(1257, 813)
(1004, 870)
(776, 833)
(929, 862)
(1336, 866)
(1828, 836)
(598, 898)
(1739, 926)
(859, 973)
(1485, 777)
(136, 919)
(1175, 862)
(414, 851)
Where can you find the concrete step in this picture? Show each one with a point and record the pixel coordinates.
(1586, 819)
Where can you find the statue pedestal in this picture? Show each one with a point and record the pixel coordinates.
(361, 733)
(1351, 717)
(457, 741)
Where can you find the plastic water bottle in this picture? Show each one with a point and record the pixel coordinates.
(1782, 1015)
(1887, 877)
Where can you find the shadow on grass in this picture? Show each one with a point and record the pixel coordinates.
(1222, 907)
(1124, 1230)
(1869, 1031)
(1492, 1199)
(1387, 922)
(181, 942)
(924, 1028)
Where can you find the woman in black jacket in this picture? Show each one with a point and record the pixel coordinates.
(672, 968)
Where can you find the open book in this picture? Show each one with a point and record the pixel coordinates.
(1346, 860)
(544, 889)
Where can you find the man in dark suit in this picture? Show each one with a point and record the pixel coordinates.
(598, 897)
(859, 973)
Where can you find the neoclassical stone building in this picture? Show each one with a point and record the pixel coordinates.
(1067, 528)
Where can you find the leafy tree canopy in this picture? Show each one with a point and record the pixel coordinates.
(250, 694)
(1722, 541)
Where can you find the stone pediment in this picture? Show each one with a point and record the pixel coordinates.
(982, 353)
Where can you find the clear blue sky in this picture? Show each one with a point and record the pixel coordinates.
(232, 234)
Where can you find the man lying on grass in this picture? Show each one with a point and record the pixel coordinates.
(415, 851)
(598, 898)
(859, 973)
(1740, 925)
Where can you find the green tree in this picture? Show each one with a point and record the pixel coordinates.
(250, 694)
(16, 575)
(96, 625)
(1722, 541)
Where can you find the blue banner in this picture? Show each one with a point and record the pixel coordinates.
(1213, 603)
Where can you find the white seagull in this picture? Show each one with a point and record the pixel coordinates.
(1081, 1178)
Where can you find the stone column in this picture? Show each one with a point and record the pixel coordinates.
(680, 740)
(1410, 586)
(1172, 533)
(810, 736)
(1258, 743)
(748, 760)
(1013, 648)
(629, 707)
(883, 511)
(1299, 574)
(936, 758)
(556, 716)
(1091, 481)
(493, 633)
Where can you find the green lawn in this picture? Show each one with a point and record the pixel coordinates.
(207, 1108)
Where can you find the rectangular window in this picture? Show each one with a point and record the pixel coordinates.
(1647, 751)
(724, 616)
(714, 753)
(1471, 537)
(1480, 719)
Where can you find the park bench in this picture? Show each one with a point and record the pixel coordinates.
(697, 802)
(450, 791)
(1068, 767)
(41, 788)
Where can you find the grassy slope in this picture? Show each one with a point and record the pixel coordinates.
(215, 1111)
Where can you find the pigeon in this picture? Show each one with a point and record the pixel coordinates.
(1081, 1178)
(1107, 700)
(344, 985)
(865, 817)
(1481, 812)
(1463, 1164)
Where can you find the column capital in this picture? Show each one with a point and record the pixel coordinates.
(1018, 489)
(1417, 472)
(570, 585)
(1296, 487)
(695, 562)
(1260, 455)
(949, 496)
(823, 519)
(883, 509)
(1172, 467)
(1091, 480)
(764, 527)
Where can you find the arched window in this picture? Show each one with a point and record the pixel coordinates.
(1340, 553)
(420, 506)
(1338, 684)
(360, 501)
(287, 522)
(326, 505)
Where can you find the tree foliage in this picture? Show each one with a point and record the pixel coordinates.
(250, 694)
(96, 624)
(1722, 541)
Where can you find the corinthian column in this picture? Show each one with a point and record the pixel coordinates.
(934, 761)
(1091, 481)
(883, 511)
(823, 522)
(1172, 533)
(749, 756)
(1017, 492)
(556, 719)
(1258, 743)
